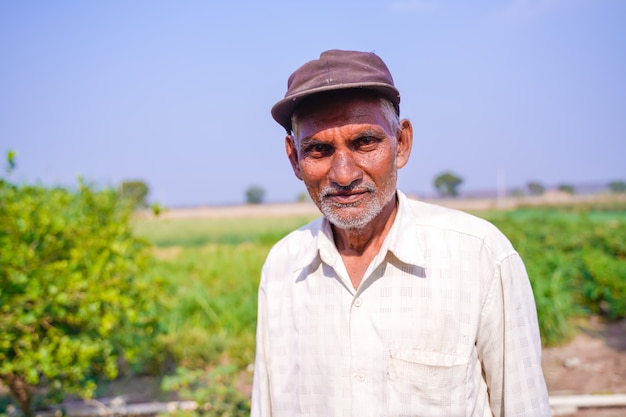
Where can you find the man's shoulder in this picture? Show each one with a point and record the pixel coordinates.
(298, 241)
(448, 220)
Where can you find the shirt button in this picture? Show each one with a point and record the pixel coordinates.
(358, 302)
(359, 377)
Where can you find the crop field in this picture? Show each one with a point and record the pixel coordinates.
(210, 270)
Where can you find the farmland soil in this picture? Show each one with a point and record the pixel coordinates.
(593, 362)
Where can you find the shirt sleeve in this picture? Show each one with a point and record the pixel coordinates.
(510, 346)
(261, 404)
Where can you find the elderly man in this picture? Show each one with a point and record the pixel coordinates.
(385, 306)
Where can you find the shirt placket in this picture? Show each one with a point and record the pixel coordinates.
(365, 348)
(360, 375)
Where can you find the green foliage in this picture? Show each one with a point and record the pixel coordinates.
(303, 197)
(535, 188)
(447, 184)
(135, 192)
(567, 188)
(214, 390)
(157, 209)
(11, 161)
(210, 295)
(255, 194)
(73, 300)
(202, 231)
(576, 263)
(617, 186)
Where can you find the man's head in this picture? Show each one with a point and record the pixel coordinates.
(347, 142)
(336, 70)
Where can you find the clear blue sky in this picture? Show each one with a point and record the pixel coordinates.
(178, 93)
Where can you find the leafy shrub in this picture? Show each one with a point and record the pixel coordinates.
(214, 390)
(73, 301)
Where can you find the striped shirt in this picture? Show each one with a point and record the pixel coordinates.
(443, 324)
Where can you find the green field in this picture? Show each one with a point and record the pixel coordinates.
(211, 269)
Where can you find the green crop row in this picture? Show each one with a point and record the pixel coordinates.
(576, 262)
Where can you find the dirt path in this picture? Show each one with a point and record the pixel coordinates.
(594, 362)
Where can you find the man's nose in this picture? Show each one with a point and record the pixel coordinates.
(344, 170)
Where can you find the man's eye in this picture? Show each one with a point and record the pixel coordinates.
(318, 149)
(366, 141)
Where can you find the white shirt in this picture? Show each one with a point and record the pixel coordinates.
(443, 324)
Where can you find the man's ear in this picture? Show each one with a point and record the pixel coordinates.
(405, 143)
(292, 154)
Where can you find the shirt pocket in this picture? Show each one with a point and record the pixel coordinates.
(424, 383)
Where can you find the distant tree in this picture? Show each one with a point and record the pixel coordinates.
(617, 186)
(517, 192)
(303, 197)
(447, 184)
(535, 188)
(136, 192)
(255, 194)
(567, 188)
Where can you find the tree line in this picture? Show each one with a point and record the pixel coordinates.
(448, 184)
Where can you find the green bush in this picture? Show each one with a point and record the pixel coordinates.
(74, 303)
(214, 390)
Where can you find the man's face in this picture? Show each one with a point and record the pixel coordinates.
(348, 157)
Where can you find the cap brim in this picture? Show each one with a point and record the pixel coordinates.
(283, 110)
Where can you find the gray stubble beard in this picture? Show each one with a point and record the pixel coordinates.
(372, 209)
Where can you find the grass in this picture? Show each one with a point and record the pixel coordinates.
(210, 269)
(210, 301)
(202, 231)
(576, 261)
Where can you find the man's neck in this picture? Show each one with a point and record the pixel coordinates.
(358, 247)
(357, 240)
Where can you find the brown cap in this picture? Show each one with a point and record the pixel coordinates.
(336, 70)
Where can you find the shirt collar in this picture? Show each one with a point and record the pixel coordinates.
(402, 240)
